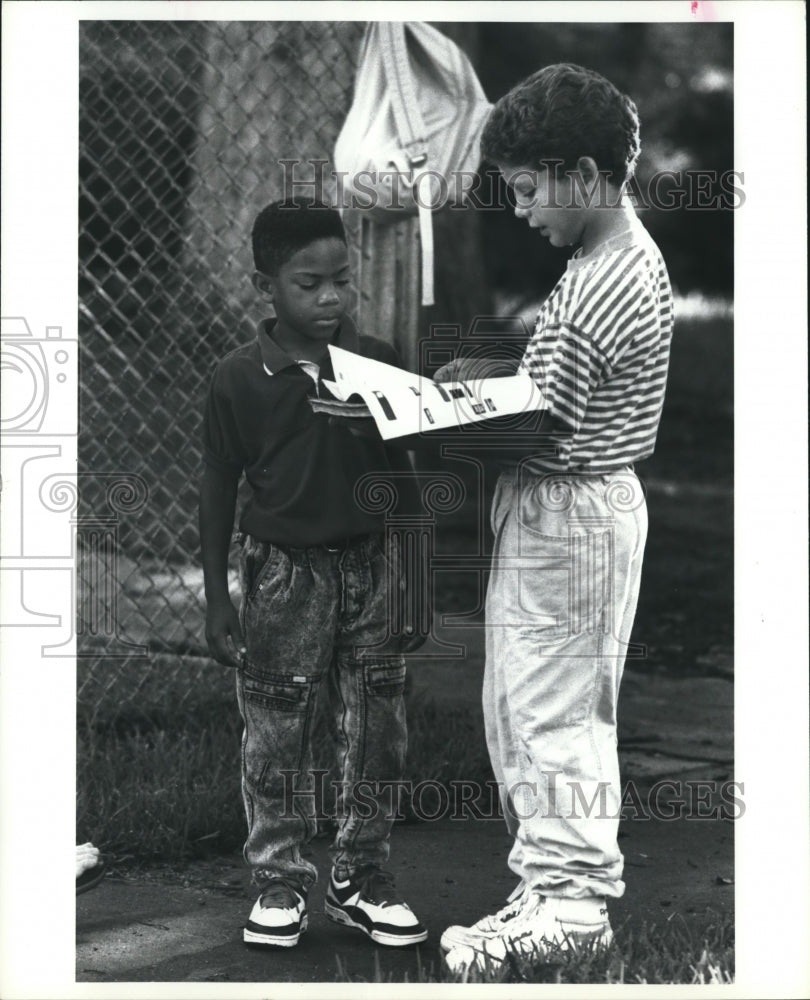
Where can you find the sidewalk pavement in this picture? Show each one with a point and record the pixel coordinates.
(189, 928)
(165, 926)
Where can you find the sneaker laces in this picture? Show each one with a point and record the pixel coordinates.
(280, 892)
(377, 886)
(506, 913)
(531, 907)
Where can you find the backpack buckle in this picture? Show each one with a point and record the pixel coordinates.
(417, 154)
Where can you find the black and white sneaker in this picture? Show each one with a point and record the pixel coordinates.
(279, 917)
(369, 902)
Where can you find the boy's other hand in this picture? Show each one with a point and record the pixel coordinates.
(360, 427)
(417, 640)
(470, 369)
(223, 634)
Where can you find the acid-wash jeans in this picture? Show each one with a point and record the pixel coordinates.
(309, 616)
(561, 600)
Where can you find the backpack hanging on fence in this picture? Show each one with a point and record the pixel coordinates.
(418, 112)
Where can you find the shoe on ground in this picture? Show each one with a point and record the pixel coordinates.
(90, 869)
(279, 917)
(368, 901)
(544, 927)
(489, 926)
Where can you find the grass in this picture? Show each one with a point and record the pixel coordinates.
(159, 768)
(667, 953)
(158, 794)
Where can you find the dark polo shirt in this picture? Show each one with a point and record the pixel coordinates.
(301, 468)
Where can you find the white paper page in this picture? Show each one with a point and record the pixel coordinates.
(404, 403)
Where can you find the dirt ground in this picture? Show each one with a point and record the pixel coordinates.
(170, 925)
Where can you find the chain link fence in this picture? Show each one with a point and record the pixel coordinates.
(182, 127)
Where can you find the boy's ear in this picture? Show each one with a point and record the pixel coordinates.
(587, 166)
(264, 285)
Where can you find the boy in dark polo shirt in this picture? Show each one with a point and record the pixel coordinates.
(316, 581)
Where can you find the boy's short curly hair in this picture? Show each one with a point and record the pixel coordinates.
(285, 227)
(563, 112)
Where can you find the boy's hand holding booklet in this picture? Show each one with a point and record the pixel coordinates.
(402, 403)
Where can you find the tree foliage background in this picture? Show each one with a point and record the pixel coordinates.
(681, 78)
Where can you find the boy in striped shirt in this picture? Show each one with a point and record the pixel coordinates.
(569, 516)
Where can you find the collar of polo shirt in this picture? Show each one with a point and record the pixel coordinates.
(274, 359)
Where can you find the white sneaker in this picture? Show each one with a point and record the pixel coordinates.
(544, 924)
(279, 917)
(458, 936)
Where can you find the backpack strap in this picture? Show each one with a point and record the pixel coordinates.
(411, 129)
(410, 124)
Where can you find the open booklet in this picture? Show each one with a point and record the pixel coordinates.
(402, 403)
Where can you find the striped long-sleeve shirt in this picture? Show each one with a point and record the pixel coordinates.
(600, 354)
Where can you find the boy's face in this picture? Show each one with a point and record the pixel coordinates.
(310, 291)
(548, 203)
